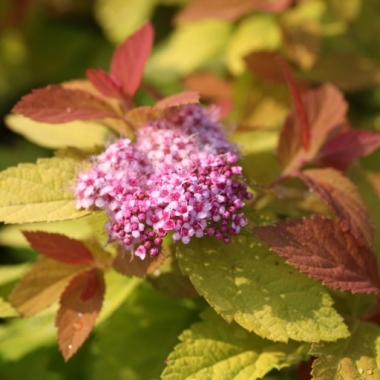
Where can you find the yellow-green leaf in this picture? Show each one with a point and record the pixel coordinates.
(258, 32)
(39, 192)
(189, 46)
(6, 310)
(357, 357)
(216, 350)
(80, 134)
(120, 18)
(245, 282)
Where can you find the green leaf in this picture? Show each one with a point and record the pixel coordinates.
(78, 134)
(354, 358)
(258, 32)
(120, 18)
(216, 350)
(245, 282)
(187, 49)
(39, 192)
(138, 336)
(6, 310)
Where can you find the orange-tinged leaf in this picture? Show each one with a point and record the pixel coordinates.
(338, 192)
(181, 98)
(80, 303)
(265, 66)
(56, 104)
(59, 247)
(141, 115)
(209, 85)
(128, 266)
(42, 285)
(326, 112)
(128, 61)
(320, 248)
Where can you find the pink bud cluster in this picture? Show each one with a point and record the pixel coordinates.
(178, 176)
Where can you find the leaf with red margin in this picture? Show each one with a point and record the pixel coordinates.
(326, 111)
(128, 266)
(338, 192)
(341, 150)
(59, 247)
(184, 97)
(55, 104)
(103, 83)
(80, 303)
(228, 10)
(128, 61)
(42, 285)
(320, 248)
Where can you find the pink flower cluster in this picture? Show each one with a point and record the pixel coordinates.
(179, 176)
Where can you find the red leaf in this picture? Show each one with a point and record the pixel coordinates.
(340, 151)
(228, 10)
(181, 98)
(128, 61)
(326, 110)
(55, 104)
(265, 66)
(135, 266)
(60, 247)
(77, 314)
(103, 83)
(341, 195)
(320, 248)
(299, 108)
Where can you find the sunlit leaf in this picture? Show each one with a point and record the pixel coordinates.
(257, 32)
(217, 350)
(38, 192)
(320, 248)
(338, 192)
(42, 285)
(59, 247)
(56, 104)
(6, 310)
(78, 134)
(187, 49)
(80, 305)
(245, 282)
(355, 357)
(120, 18)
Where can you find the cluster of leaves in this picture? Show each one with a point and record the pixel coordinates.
(298, 288)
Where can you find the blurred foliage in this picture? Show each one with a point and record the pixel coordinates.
(51, 41)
